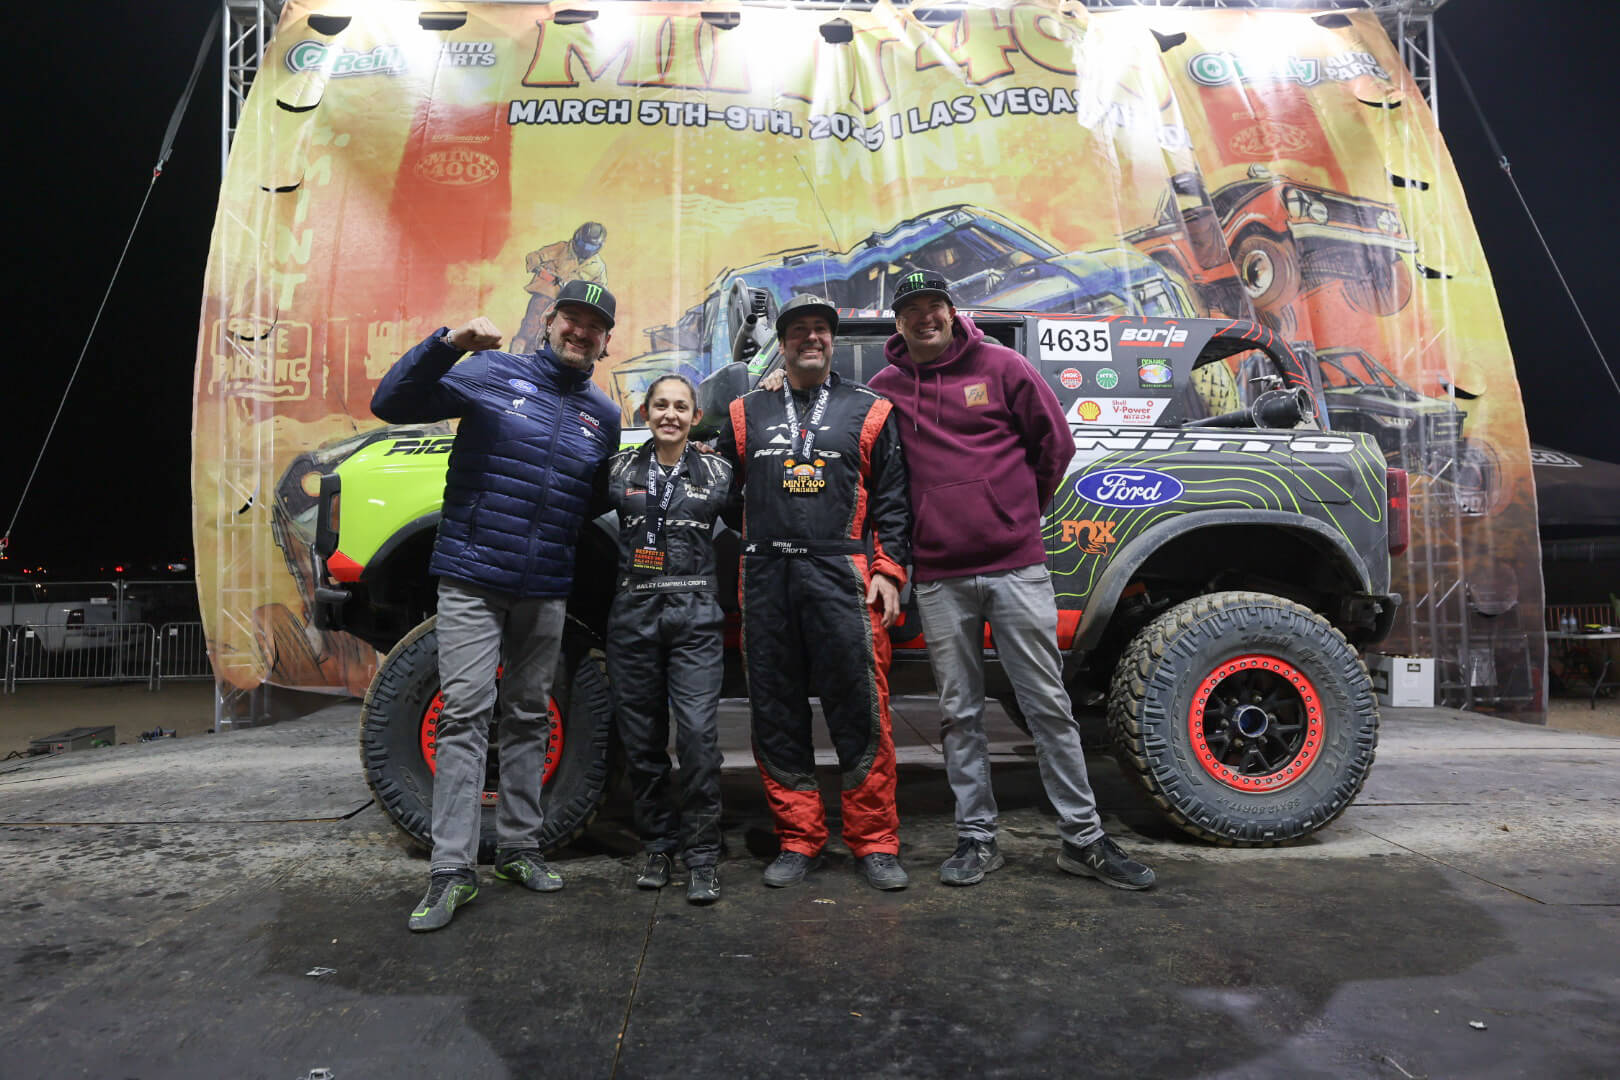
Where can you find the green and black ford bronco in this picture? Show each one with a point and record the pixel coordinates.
(1219, 556)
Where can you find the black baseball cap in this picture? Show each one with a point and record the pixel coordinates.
(806, 304)
(591, 295)
(920, 283)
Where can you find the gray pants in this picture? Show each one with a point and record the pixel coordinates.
(477, 629)
(1022, 613)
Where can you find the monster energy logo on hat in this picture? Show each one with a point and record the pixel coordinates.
(591, 295)
(920, 283)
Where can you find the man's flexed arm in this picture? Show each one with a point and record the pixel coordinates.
(415, 390)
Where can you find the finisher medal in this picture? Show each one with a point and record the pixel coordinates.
(803, 468)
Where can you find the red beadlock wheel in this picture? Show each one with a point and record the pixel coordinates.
(430, 728)
(1248, 718)
(1256, 723)
(399, 722)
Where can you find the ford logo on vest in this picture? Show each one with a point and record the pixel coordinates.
(1128, 488)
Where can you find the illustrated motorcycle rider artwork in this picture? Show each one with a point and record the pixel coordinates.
(580, 256)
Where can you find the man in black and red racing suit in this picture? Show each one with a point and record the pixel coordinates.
(826, 534)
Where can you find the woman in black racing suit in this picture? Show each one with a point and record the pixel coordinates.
(664, 652)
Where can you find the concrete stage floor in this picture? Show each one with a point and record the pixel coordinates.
(168, 902)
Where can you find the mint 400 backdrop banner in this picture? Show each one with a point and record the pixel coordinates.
(398, 168)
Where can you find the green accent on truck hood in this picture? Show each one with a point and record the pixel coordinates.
(391, 483)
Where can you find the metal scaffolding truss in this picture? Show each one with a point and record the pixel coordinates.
(248, 26)
(1409, 23)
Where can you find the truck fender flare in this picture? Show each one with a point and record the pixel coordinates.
(407, 532)
(1103, 599)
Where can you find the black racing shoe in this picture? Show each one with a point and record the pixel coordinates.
(703, 885)
(882, 870)
(789, 868)
(655, 875)
(447, 890)
(1102, 859)
(973, 860)
(528, 869)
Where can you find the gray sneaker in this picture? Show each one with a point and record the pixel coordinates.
(882, 871)
(1104, 860)
(973, 860)
(703, 886)
(447, 890)
(789, 868)
(655, 875)
(528, 869)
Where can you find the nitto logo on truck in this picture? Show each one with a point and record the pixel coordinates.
(1101, 438)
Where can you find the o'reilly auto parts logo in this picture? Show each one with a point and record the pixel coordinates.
(1128, 489)
(338, 63)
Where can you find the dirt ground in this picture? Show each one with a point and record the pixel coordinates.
(1577, 714)
(187, 709)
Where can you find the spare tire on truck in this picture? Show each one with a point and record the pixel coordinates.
(400, 714)
(1249, 718)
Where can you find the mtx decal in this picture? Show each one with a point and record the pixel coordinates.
(1128, 489)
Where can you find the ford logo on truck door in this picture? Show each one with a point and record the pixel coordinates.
(1128, 488)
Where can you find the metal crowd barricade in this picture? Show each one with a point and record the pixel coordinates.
(86, 652)
(183, 652)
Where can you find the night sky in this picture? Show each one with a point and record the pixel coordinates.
(89, 109)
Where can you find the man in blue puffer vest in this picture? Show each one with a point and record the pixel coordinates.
(521, 482)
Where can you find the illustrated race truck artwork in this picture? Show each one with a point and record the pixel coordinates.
(989, 261)
(1266, 238)
(1218, 558)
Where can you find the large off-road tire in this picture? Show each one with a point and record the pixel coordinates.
(1267, 269)
(1249, 719)
(1385, 289)
(1093, 723)
(396, 741)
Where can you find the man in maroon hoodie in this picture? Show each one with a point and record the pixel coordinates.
(986, 445)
